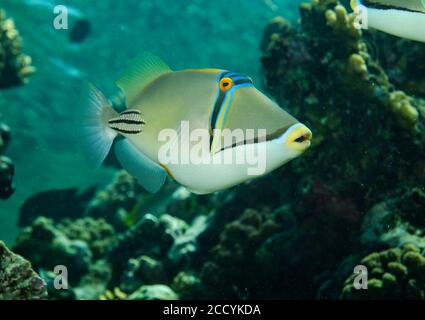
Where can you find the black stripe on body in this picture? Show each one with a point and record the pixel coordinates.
(130, 112)
(374, 5)
(127, 131)
(128, 122)
(243, 81)
(216, 109)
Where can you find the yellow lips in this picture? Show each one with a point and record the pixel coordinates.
(298, 137)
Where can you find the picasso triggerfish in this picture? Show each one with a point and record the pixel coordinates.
(205, 100)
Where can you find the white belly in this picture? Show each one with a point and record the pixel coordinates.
(211, 173)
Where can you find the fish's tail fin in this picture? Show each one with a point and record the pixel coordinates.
(96, 137)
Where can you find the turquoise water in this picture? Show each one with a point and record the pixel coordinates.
(186, 34)
(337, 214)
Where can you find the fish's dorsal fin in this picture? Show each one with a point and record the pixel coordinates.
(140, 73)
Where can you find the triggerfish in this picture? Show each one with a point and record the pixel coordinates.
(209, 101)
(402, 18)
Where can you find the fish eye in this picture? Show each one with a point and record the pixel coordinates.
(226, 84)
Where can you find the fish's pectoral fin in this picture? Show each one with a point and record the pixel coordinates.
(148, 173)
(140, 73)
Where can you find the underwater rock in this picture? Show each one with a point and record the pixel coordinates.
(233, 270)
(392, 274)
(115, 200)
(94, 283)
(396, 221)
(188, 286)
(15, 67)
(154, 292)
(149, 237)
(187, 207)
(18, 281)
(97, 233)
(46, 247)
(7, 171)
(142, 271)
(4, 135)
(185, 249)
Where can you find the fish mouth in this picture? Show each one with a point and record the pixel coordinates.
(300, 134)
(298, 137)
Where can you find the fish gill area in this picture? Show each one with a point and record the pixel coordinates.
(356, 197)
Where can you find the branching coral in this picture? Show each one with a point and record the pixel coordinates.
(17, 279)
(392, 274)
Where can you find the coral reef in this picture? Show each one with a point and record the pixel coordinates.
(116, 199)
(322, 69)
(80, 245)
(15, 66)
(97, 233)
(392, 274)
(142, 270)
(149, 242)
(396, 221)
(17, 279)
(296, 233)
(47, 247)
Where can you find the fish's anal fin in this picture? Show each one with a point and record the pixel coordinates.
(148, 174)
(140, 73)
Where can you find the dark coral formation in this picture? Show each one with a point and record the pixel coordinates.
(46, 246)
(15, 67)
(7, 169)
(18, 281)
(116, 200)
(392, 274)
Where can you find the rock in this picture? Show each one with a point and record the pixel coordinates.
(154, 292)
